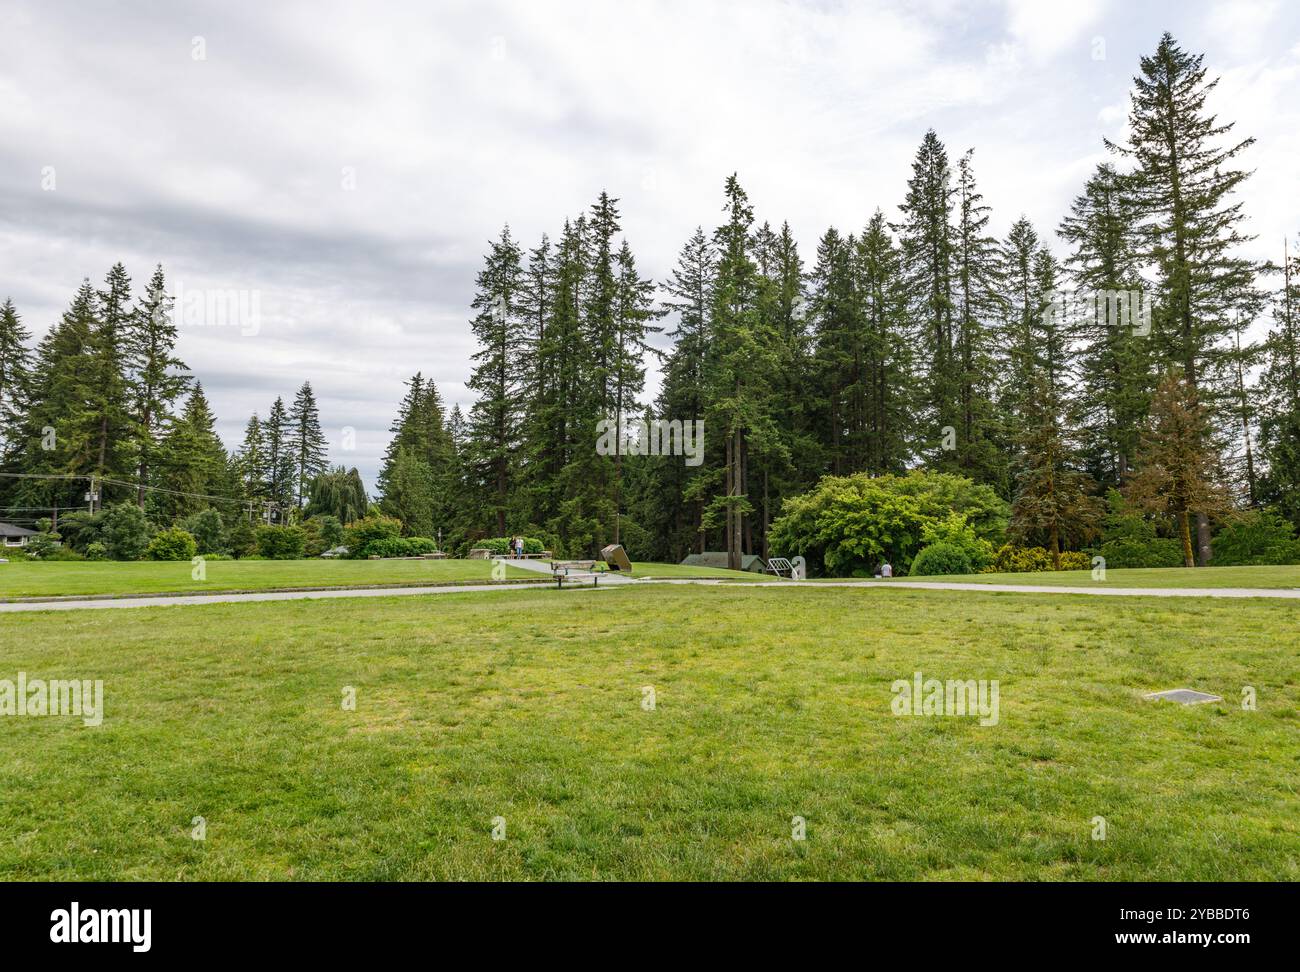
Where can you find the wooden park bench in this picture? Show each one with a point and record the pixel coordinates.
(563, 570)
(780, 566)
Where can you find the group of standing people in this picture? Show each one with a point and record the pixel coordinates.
(517, 547)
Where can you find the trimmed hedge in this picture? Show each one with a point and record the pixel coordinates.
(398, 547)
(501, 545)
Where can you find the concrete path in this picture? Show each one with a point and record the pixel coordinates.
(164, 600)
(1100, 588)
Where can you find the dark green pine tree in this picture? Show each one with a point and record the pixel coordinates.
(979, 304)
(420, 436)
(1183, 189)
(677, 494)
(114, 439)
(534, 496)
(277, 449)
(634, 316)
(1020, 348)
(791, 459)
(193, 463)
(891, 391)
(1116, 360)
(926, 237)
(60, 433)
(15, 375)
(1055, 505)
(837, 355)
(742, 359)
(1280, 393)
(495, 417)
(156, 378)
(251, 459)
(306, 443)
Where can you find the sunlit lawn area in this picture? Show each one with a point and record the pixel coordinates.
(34, 579)
(770, 703)
(1288, 576)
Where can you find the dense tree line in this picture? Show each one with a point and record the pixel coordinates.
(103, 400)
(918, 342)
(1108, 359)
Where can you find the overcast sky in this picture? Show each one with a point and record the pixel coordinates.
(346, 164)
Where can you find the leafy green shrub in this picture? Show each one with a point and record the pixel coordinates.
(502, 545)
(80, 528)
(331, 531)
(241, 541)
(280, 542)
(954, 529)
(125, 531)
(1256, 537)
(941, 558)
(208, 530)
(43, 546)
(399, 547)
(172, 544)
(848, 524)
(1075, 560)
(1133, 552)
(1011, 559)
(96, 551)
(369, 529)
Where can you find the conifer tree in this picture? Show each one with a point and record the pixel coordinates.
(306, 443)
(277, 448)
(926, 238)
(1280, 398)
(1115, 360)
(193, 461)
(1192, 228)
(494, 418)
(156, 377)
(15, 374)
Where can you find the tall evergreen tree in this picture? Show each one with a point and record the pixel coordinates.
(15, 374)
(495, 416)
(1280, 394)
(277, 449)
(926, 238)
(306, 443)
(1182, 187)
(156, 378)
(1115, 360)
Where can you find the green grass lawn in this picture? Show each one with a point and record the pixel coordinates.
(640, 569)
(770, 703)
(35, 579)
(1288, 576)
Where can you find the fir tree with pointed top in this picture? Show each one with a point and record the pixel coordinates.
(15, 374)
(306, 443)
(156, 377)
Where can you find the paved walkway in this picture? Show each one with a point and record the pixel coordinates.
(1100, 588)
(165, 600)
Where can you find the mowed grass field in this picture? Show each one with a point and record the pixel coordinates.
(527, 708)
(55, 578)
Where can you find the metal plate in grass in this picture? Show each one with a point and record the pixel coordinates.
(1184, 696)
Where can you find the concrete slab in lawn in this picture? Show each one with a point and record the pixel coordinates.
(1184, 696)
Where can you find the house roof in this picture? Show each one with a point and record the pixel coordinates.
(9, 530)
